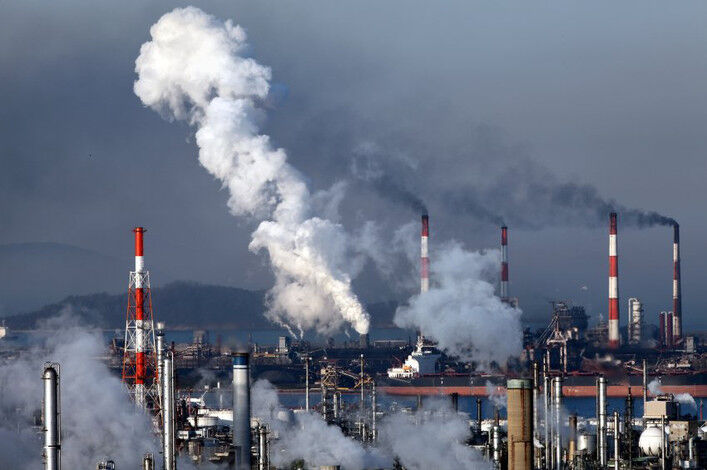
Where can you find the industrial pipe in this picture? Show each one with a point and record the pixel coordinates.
(159, 338)
(306, 383)
(546, 427)
(148, 462)
(241, 409)
(52, 417)
(168, 415)
(601, 422)
(617, 444)
(263, 463)
(374, 410)
(558, 422)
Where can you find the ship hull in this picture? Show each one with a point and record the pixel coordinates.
(573, 386)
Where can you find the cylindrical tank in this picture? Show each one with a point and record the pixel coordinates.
(520, 424)
(586, 443)
(650, 441)
(52, 419)
(241, 409)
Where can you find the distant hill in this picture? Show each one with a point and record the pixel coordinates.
(182, 305)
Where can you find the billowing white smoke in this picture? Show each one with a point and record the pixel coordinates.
(461, 311)
(98, 419)
(307, 436)
(685, 399)
(194, 69)
(433, 437)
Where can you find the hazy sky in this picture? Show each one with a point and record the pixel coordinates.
(454, 97)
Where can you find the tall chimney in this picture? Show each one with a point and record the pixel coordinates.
(139, 317)
(613, 284)
(51, 418)
(677, 294)
(504, 263)
(241, 409)
(520, 423)
(669, 329)
(425, 255)
(168, 413)
(601, 422)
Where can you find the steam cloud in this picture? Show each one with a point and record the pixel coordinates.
(656, 388)
(194, 69)
(98, 419)
(431, 438)
(308, 437)
(461, 311)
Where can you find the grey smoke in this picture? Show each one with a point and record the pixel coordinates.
(385, 172)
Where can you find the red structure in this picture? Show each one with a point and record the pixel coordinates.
(504, 263)
(139, 361)
(613, 284)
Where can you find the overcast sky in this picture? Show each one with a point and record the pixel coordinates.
(454, 96)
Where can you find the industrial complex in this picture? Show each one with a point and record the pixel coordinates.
(659, 373)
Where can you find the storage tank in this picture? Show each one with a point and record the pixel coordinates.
(520, 424)
(650, 441)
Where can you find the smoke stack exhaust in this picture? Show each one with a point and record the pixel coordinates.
(677, 294)
(504, 263)
(51, 418)
(613, 284)
(425, 255)
(241, 410)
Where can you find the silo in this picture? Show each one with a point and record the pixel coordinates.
(520, 424)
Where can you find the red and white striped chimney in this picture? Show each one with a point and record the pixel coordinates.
(425, 255)
(613, 284)
(140, 369)
(504, 263)
(677, 295)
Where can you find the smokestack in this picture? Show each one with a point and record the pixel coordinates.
(159, 335)
(168, 415)
(148, 462)
(241, 410)
(520, 424)
(504, 263)
(425, 255)
(572, 444)
(52, 417)
(613, 284)
(677, 294)
(139, 318)
(558, 421)
(601, 422)
(669, 329)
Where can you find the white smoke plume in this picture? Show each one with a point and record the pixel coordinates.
(98, 419)
(461, 311)
(433, 437)
(655, 387)
(497, 397)
(194, 69)
(308, 437)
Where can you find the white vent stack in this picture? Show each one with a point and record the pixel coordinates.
(168, 414)
(51, 417)
(601, 422)
(613, 284)
(241, 409)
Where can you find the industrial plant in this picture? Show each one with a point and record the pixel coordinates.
(355, 387)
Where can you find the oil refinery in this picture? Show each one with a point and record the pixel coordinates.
(356, 388)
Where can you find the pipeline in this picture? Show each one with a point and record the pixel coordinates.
(52, 417)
